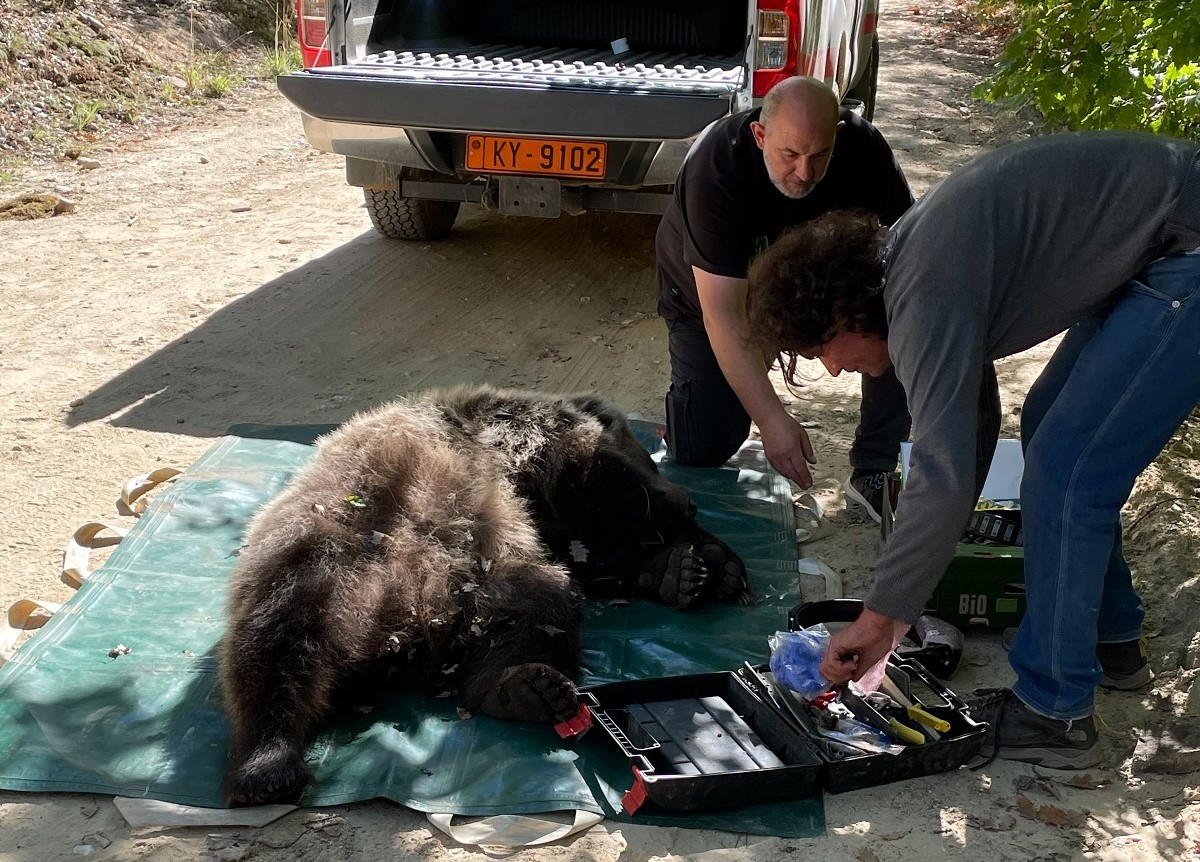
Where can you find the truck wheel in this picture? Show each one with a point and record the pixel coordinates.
(399, 217)
(864, 90)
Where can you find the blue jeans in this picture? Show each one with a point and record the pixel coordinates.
(1116, 389)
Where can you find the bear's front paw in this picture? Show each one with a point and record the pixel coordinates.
(532, 692)
(677, 576)
(727, 571)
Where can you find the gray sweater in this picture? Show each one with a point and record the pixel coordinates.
(1005, 253)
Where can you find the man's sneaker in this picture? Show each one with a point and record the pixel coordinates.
(866, 488)
(1016, 732)
(1126, 665)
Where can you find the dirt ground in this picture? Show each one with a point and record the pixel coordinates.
(223, 272)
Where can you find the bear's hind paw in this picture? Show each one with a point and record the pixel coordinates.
(269, 775)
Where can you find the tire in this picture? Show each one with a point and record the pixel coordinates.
(397, 217)
(868, 84)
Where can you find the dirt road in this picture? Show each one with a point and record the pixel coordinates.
(225, 273)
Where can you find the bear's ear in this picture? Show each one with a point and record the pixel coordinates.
(617, 435)
(610, 415)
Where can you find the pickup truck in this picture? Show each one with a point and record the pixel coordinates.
(543, 107)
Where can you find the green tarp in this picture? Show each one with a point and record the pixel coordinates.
(149, 724)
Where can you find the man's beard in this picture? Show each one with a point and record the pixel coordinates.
(789, 193)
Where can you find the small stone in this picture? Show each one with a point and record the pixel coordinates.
(1173, 750)
(204, 160)
(64, 205)
(82, 849)
(97, 839)
(241, 208)
(87, 164)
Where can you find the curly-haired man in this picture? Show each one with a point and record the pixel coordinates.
(1097, 234)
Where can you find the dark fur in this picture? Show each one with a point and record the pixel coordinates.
(436, 543)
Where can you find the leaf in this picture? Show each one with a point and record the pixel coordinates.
(1087, 782)
(551, 630)
(1026, 808)
(1056, 816)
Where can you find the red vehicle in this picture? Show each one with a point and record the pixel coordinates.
(543, 107)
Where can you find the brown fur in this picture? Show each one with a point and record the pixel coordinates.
(423, 547)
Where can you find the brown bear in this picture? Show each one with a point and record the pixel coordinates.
(437, 543)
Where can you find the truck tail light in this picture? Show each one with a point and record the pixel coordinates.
(310, 19)
(776, 43)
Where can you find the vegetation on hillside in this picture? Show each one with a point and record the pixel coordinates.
(1103, 64)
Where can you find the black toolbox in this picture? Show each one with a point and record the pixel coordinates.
(840, 773)
(719, 740)
(702, 742)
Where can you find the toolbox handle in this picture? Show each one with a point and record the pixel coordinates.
(915, 668)
(628, 748)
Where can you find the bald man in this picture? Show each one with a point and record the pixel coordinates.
(746, 179)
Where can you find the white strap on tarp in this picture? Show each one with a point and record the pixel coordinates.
(514, 830)
(130, 502)
(140, 813)
(85, 539)
(28, 614)
(23, 615)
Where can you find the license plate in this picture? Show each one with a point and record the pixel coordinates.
(493, 154)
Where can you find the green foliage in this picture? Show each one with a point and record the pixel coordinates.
(84, 113)
(209, 74)
(1105, 64)
(280, 61)
(8, 172)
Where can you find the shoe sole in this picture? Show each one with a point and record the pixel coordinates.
(1140, 678)
(1053, 758)
(852, 494)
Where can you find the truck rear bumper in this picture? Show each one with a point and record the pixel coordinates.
(394, 146)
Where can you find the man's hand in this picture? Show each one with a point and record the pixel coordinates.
(859, 647)
(788, 449)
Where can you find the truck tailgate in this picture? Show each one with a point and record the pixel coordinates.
(558, 92)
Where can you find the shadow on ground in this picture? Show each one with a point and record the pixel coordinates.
(564, 305)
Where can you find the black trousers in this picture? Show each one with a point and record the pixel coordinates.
(706, 422)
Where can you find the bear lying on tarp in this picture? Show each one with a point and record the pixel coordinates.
(436, 543)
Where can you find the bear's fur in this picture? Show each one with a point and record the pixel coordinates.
(436, 543)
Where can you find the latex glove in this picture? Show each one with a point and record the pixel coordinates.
(860, 646)
(789, 450)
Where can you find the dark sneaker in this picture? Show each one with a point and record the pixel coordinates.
(1016, 732)
(1126, 665)
(866, 489)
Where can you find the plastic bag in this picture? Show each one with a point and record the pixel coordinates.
(796, 660)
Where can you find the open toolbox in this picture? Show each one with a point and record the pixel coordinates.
(702, 742)
(719, 740)
(959, 739)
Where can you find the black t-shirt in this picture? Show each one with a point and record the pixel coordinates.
(725, 209)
